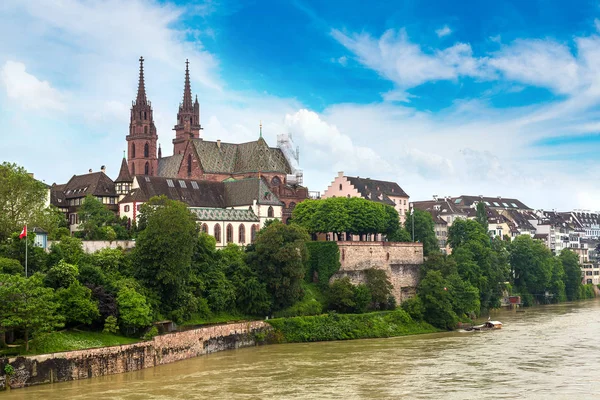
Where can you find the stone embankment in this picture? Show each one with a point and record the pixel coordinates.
(164, 349)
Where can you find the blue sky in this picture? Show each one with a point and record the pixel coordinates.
(446, 98)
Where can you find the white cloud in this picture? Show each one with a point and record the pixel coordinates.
(28, 91)
(443, 31)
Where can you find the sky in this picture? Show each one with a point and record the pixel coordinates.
(446, 98)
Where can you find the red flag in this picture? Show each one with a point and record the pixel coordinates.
(23, 233)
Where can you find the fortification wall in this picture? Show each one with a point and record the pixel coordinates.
(164, 349)
(400, 261)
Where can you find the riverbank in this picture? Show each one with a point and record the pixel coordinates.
(334, 326)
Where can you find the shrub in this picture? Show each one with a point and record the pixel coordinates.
(340, 296)
(414, 308)
(11, 266)
(323, 262)
(380, 287)
(150, 333)
(110, 324)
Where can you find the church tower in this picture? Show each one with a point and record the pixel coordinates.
(142, 138)
(188, 117)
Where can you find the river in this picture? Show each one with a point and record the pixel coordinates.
(548, 352)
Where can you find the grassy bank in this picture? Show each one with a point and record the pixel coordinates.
(69, 340)
(219, 318)
(347, 326)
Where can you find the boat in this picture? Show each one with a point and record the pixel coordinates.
(486, 326)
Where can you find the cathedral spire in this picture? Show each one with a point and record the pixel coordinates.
(141, 94)
(187, 91)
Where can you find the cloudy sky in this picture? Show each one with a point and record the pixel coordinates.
(475, 97)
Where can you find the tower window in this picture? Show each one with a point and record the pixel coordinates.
(145, 116)
(146, 150)
(147, 168)
(132, 150)
(191, 121)
(146, 129)
(189, 165)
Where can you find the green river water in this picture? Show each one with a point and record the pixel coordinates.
(549, 352)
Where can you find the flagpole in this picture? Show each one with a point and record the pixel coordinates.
(26, 250)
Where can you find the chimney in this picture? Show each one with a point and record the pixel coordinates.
(90, 170)
(103, 168)
(219, 143)
(340, 174)
(435, 197)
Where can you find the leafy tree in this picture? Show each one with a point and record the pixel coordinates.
(414, 307)
(436, 301)
(279, 257)
(77, 305)
(379, 286)
(69, 249)
(340, 296)
(362, 298)
(110, 324)
(164, 249)
(14, 248)
(133, 309)
(22, 199)
(424, 230)
(531, 265)
(572, 271)
(107, 303)
(95, 219)
(11, 266)
(481, 217)
(557, 282)
(464, 296)
(26, 304)
(62, 275)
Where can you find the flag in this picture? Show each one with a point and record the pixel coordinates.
(23, 233)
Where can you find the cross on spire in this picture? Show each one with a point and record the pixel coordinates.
(141, 94)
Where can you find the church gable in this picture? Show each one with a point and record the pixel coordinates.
(190, 166)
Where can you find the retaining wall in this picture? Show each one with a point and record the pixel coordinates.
(164, 349)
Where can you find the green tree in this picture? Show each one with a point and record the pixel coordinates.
(436, 301)
(22, 199)
(481, 217)
(62, 275)
(26, 304)
(69, 249)
(572, 271)
(77, 305)
(134, 311)
(14, 248)
(557, 282)
(424, 230)
(531, 263)
(279, 257)
(340, 296)
(362, 298)
(379, 286)
(11, 266)
(164, 248)
(95, 219)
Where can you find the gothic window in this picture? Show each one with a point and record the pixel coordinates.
(218, 233)
(253, 233)
(205, 228)
(275, 181)
(145, 130)
(242, 234)
(229, 233)
(146, 150)
(132, 150)
(191, 121)
(270, 212)
(145, 116)
(147, 168)
(140, 115)
(189, 165)
(132, 169)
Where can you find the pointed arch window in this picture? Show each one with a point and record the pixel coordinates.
(146, 129)
(146, 150)
(270, 212)
(189, 165)
(191, 121)
(145, 115)
(242, 234)
(218, 233)
(229, 233)
(253, 230)
(205, 228)
(132, 150)
(147, 168)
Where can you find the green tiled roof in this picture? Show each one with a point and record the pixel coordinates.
(239, 158)
(169, 166)
(223, 214)
(244, 191)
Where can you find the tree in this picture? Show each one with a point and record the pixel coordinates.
(340, 296)
(481, 217)
(379, 286)
(572, 273)
(69, 249)
(77, 305)
(14, 248)
(22, 199)
(424, 230)
(26, 304)
(95, 219)
(62, 275)
(436, 301)
(531, 266)
(164, 248)
(279, 257)
(133, 309)
(11, 266)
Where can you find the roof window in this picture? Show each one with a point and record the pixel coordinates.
(147, 178)
(457, 201)
(496, 204)
(514, 205)
(182, 184)
(195, 185)
(170, 183)
(505, 205)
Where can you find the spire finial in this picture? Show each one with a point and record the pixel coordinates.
(187, 91)
(123, 153)
(261, 128)
(141, 94)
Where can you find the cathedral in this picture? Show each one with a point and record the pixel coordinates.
(233, 188)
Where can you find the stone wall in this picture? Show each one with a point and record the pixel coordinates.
(401, 262)
(91, 246)
(164, 349)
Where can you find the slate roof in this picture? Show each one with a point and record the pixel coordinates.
(493, 202)
(57, 195)
(191, 192)
(244, 191)
(520, 220)
(212, 214)
(376, 190)
(124, 175)
(445, 207)
(95, 184)
(169, 166)
(230, 158)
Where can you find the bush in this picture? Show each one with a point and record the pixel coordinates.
(110, 324)
(303, 308)
(340, 296)
(323, 262)
(587, 292)
(414, 308)
(150, 333)
(11, 266)
(380, 287)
